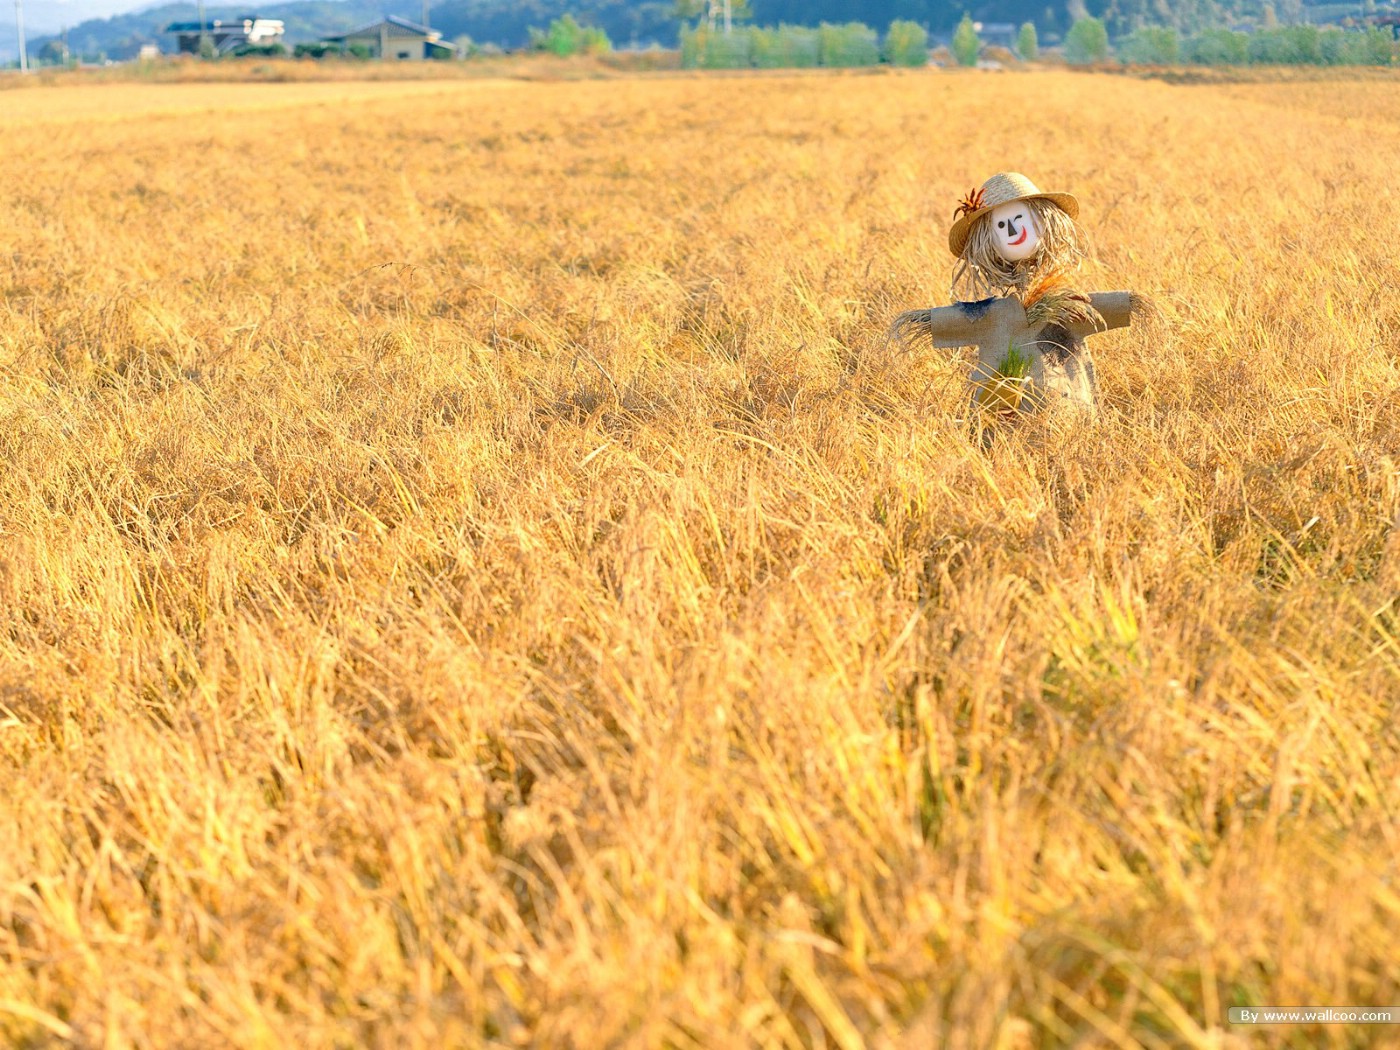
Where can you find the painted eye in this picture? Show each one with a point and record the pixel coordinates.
(1001, 225)
(1019, 217)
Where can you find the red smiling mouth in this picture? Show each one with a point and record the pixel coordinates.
(1021, 239)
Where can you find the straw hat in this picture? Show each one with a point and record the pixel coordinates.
(1002, 188)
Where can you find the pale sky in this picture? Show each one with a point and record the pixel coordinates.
(42, 17)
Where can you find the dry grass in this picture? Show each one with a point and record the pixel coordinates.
(474, 574)
(184, 69)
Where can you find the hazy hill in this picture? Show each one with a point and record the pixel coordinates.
(122, 36)
(507, 22)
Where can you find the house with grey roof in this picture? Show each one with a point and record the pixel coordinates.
(396, 39)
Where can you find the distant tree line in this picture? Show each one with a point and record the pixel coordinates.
(796, 47)
(566, 37)
(507, 22)
(1298, 45)
(800, 32)
(1086, 42)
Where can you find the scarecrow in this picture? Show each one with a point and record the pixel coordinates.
(1018, 250)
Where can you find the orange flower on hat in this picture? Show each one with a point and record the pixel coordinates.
(971, 203)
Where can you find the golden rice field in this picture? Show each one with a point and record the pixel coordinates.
(475, 574)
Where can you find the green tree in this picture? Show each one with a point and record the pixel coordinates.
(852, 44)
(1381, 47)
(787, 47)
(1027, 44)
(1218, 47)
(966, 42)
(704, 48)
(1086, 41)
(906, 44)
(564, 36)
(693, 41)
(1153, 45)
(593, 41)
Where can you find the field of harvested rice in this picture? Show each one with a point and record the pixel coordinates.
(474, 573)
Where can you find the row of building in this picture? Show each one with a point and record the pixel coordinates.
(390, 38)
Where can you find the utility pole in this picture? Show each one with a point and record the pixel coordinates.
(19, 28)
(425, 14)
(719, 11)
(199, 50)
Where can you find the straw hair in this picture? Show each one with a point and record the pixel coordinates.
(981, 270)
(1003, 188)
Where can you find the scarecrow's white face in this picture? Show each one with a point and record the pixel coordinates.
(1017, 235)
